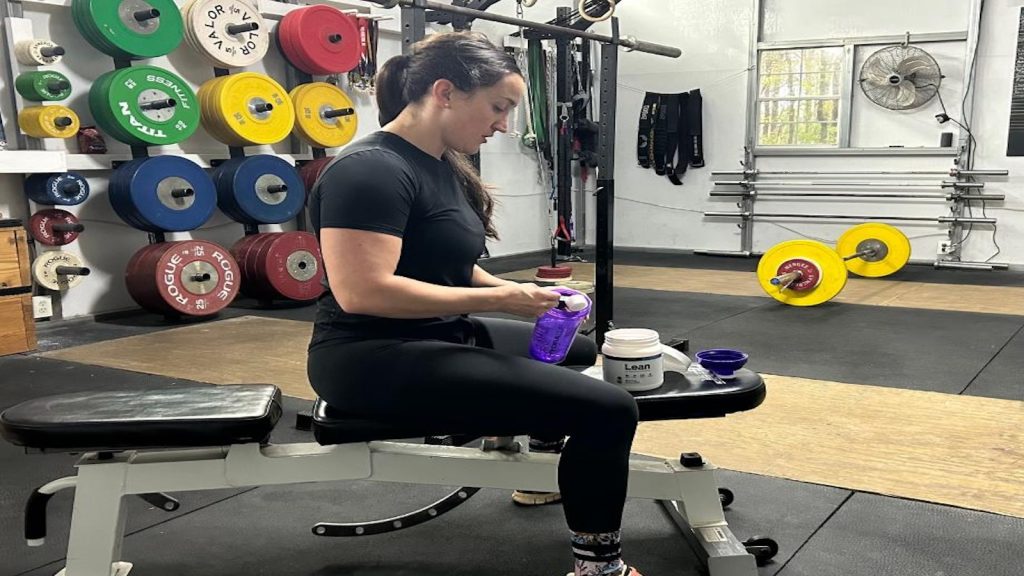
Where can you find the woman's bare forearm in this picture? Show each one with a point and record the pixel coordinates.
(483, 278)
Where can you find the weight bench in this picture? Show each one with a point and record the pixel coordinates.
(149, 442)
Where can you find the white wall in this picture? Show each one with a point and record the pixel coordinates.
(714, 38)
(875, 126)
(817, 19)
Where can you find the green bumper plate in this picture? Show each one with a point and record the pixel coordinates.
(44, 86)
(132, 29)
(144, 105)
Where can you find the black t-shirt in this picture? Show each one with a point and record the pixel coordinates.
(383, 183)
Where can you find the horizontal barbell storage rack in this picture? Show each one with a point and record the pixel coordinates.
(855, 185)
(922, 195)
(846, 184)
(954, 172)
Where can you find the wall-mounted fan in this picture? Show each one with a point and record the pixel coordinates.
(900, 77)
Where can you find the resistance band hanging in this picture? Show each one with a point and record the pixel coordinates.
(670, 134)
(362, 76)
(539, 97)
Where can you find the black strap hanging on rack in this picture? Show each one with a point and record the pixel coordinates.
(695, 126)
(645, 132)
(665, 102)
(670, 134)
(673, 131)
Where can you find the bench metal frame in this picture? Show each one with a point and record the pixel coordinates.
(689, 494)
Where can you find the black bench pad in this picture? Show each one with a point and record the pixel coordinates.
(129, 419)
(682, 397)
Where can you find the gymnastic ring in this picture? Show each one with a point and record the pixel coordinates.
(528, 3)
(583, 12)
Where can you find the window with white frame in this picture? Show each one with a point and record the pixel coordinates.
(798, 97)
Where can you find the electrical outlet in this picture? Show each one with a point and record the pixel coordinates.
(42, 307)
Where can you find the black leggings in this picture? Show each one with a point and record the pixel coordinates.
(491, 387)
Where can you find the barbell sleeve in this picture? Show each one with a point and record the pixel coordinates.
(957, 172)
(786, 279)
(631, 43)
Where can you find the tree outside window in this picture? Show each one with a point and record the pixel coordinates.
(798, 97)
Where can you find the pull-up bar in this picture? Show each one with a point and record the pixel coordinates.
(628, 42)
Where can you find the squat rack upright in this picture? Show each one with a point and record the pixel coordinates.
(414, 20)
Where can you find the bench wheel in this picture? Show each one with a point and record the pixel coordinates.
(726, 496)
(446, 504)
(762, 548)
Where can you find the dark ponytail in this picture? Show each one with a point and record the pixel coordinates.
(390, 83)
(469, 61)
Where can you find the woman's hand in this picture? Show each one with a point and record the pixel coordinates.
(527, 300)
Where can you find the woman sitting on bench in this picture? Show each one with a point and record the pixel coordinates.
(402, 218)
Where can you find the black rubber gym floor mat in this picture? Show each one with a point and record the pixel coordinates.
(873, 535)
(1004, 376)
(676, 314)
(900, 347)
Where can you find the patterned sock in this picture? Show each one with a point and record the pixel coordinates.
(597, 554)
(547, 446)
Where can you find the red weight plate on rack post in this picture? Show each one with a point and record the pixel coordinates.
(328, 39)
(141, 285)
(54, 227)
(240, 252)
(192, 277)
(310, 171)
(289, 32)
(292, 267)
(252, 284)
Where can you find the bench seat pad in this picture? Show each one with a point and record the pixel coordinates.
(186, 416)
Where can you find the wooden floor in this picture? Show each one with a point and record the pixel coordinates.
(958, 450)
(873, 292)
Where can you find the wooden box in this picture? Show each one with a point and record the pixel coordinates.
(15, 266)
(17, 325)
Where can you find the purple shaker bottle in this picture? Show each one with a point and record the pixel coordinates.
(555, 330)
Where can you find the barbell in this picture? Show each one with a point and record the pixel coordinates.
(808, 273)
